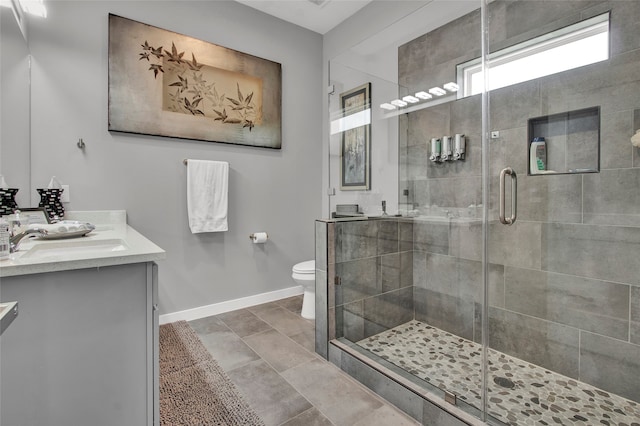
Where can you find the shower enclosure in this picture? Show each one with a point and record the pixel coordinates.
(501, 286)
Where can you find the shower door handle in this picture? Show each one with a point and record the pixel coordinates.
(514, 196)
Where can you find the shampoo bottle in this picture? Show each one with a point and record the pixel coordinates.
(537, 156)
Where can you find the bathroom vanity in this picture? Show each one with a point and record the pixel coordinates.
(84, 349)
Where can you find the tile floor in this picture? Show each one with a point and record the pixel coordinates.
(268, 352)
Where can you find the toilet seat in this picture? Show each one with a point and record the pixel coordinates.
(307, 267)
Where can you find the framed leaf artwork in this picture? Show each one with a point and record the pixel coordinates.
(355, 156)
(168, 84)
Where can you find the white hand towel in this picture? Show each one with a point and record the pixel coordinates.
(207, 195)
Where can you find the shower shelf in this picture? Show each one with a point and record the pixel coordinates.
(572, 141)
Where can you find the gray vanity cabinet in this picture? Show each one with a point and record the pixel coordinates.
(84, 349)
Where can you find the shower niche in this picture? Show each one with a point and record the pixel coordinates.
(564, 143)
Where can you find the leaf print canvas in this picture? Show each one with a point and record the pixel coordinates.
(167, 84)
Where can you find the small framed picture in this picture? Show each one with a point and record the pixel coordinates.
(355, 157)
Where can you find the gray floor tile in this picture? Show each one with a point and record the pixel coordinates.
(278, 350)
(284, 320)
(306, 339)
(338, 397)
(273, 399)
(311, 417)
(244, 322)
(263, 307)
(208, 325)
(293, 304)
(228, 349)
(268, 351)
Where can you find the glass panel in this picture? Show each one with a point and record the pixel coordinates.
(564, 312)
(410, 289)
(363, 145)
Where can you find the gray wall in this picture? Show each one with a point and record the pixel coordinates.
(564, 279)
(270, 190)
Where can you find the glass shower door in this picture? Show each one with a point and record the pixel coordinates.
(564, 213)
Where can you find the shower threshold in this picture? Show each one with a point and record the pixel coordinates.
(518, 392)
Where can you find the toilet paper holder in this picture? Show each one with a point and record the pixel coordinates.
(258, 237)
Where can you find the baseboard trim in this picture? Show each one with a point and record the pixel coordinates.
(229, 305)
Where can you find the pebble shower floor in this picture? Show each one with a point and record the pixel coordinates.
(519, 393)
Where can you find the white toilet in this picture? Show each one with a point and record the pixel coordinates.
(304, 274)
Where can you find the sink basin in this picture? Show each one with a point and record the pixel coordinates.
(75, 248)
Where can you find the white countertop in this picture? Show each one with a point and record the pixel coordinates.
(113, 242)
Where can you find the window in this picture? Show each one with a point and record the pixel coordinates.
(584, 43)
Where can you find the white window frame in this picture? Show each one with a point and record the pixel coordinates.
(525, 50)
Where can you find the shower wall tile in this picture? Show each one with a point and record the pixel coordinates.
(417, 158)
(624, 28)
(406, 269)
(420, 273)
(420, 195)
(356, 240)
(547, 344)
(450, 313)
(615, 150)
(466, 116)
(591, 86)
(389, 267)
(466, 240)
(581, 150)
(454, 277)
(428, 123)
(511, 106)
(516, 245)
(359, 279)
(406, 234)
(598, 306)
(322, 310)
(514, 153)
(462, 278)
(455, 192)
(350, 321)
(610, 364)
(396, 271)
(602, 252)
(528, 16)
(387, 236)
(389, 310)
(634, 333)
(331, 244)
(613, 194)
(440, 417)
(431, 236)
(550, 198)
(321, 245)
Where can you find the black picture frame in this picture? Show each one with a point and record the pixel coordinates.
(355, 151)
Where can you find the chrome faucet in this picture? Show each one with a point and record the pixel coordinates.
(28, 233)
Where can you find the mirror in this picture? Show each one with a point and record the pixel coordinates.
(15, 161)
